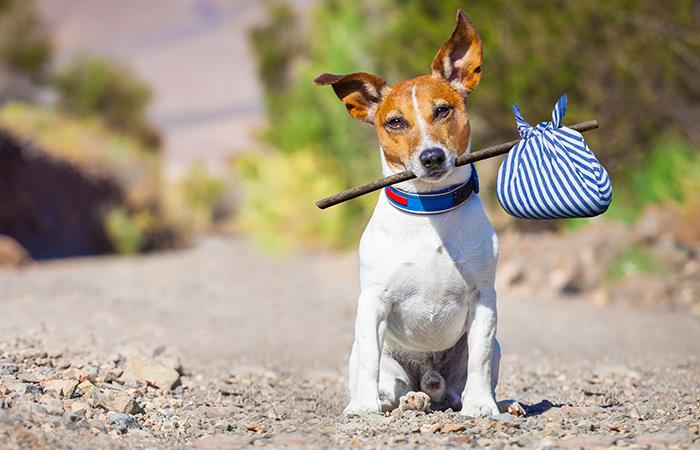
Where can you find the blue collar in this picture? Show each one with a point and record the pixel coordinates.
(433, 202)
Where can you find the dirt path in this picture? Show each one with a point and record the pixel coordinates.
(268, 338)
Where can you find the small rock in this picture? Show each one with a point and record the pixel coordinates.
(109, 375)
(616, 426)
(122, 421)
(453, 427)
(85, 387)
(153, 372)
(252, 426)
(585, 426)
(78, 407)
(34, 389)
(70, 418)
(272, 414)
(72, 374)
(17, 386)
(119, 402)
(51, 405)
(169, 359)
(12, 254)
(64, 388)
(430, 428)
(600, 297)
(223, 426)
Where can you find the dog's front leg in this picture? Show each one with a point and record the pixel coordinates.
(478, 396)
(366, 351)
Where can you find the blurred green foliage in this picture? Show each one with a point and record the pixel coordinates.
(670, 176)
(199, 198)
(123, 231)
(632, 64)
(279, 202)
(95, 87)
(633, 261)
(25, 46)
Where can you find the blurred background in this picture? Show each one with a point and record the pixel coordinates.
(129, 129)
(159, 165)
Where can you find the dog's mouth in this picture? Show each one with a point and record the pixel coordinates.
(435, 174)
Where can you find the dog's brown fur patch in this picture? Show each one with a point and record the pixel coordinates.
(451, 133)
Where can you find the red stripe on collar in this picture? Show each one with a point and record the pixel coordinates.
(396, 197)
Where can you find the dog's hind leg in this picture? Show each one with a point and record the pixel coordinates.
(394, 382)
(399, 385)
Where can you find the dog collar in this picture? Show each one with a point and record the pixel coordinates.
(433, 202)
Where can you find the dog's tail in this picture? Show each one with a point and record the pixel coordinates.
(433, 384)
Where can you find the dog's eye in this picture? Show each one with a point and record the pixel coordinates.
(441, 112)
(397, 123)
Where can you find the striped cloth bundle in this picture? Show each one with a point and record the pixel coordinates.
(551, 173)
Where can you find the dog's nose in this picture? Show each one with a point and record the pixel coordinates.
(432, 158)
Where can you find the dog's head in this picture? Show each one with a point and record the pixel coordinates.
(422, 123)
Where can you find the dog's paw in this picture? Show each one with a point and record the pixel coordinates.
(479, 408)
(359, 409)
(511, 407)
(414, 401)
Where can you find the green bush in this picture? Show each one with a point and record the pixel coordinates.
(670, 176)
(199, 198)
(94, 87)
(280, 210)
(25, 46)
(124, 232)
(633, 261)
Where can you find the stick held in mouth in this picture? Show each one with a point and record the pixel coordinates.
(468, 158)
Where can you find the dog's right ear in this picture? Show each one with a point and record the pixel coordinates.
(361, 92)
(459, 59)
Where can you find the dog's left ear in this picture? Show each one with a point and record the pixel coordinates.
(459, 59)
(361, 92)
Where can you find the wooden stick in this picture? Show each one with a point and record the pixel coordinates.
(468, 158)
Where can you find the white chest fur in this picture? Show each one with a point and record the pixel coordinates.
(426, 269)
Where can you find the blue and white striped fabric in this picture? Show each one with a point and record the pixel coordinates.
(551, 173)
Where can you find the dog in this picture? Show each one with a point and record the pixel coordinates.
(425, 331)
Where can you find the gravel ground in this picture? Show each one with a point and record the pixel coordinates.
(219, 347)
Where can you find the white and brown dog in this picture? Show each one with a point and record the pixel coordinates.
(425, 332)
